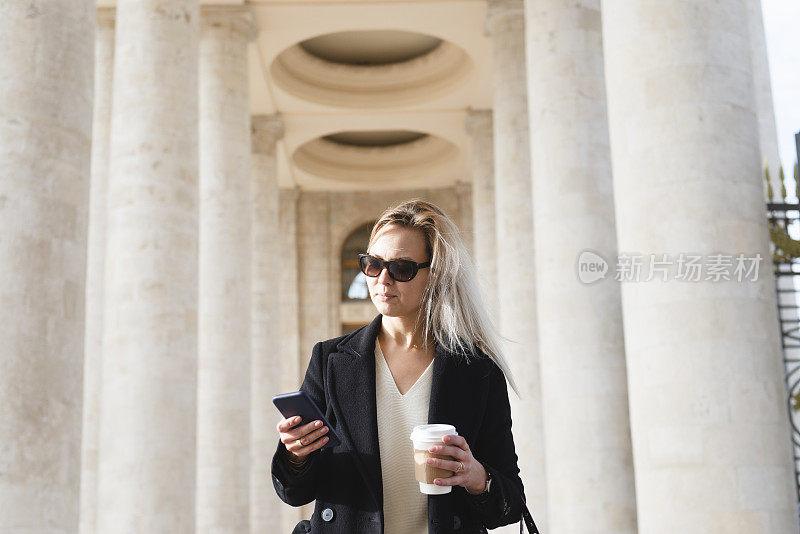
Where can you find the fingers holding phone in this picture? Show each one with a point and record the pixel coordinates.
(304, 428)
(302, 440)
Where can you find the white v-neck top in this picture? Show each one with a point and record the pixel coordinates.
(405, 508)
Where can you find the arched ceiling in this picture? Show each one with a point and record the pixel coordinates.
(418, 156)
(366, 76)
(370, 47)
(383, 138)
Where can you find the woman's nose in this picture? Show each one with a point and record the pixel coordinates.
(384, 277)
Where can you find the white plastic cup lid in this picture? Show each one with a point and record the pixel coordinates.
(432, 432)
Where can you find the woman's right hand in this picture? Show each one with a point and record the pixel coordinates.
(301, 441)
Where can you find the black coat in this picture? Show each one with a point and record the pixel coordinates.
(346, 480)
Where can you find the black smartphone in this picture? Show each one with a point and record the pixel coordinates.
(299, 403)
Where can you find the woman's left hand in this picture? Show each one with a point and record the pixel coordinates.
(473, 476)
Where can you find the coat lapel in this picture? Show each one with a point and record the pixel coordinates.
(457, 398)
(351, 380)
(458, 394)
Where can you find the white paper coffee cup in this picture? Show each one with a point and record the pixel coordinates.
(423, 438)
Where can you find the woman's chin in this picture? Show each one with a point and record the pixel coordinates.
(386, 307)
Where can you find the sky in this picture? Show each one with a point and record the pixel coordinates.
(782, 26)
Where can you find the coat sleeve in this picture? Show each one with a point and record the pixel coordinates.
(297, 486)
(494, 449)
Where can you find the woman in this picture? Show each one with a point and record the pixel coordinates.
(430, 356)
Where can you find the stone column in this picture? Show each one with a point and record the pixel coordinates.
(291, 375)
(223, 377)
(45, 156)
(505, 24)
(584, 385)
(146, 471)
(710, 434)
(93, 350)
(479, 128)
(463, 192)
(316, 276)
(265, 377)
(767, 129)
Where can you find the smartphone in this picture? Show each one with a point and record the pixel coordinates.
(299, 403)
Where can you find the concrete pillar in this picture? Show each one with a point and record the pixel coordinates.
(316, 277)
(762, 85)
(93, 349)
(710, 434)
(45, 157)
(463, 192)
(590, 484)
(768, 144)
(505, 24)
(223, 377)
(290, 372)
(266, 355)
(479, 128)
(147, 426)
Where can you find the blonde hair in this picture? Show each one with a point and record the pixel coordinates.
(452, 310)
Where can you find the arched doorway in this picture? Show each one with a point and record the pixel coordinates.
(356, 305)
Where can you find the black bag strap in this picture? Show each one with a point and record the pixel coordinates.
(528, 518)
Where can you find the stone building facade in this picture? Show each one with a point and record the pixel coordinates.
(179, 180)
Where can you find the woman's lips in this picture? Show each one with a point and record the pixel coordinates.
(385, 297)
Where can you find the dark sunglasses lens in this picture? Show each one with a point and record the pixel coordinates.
(370, 266)
(402, 270)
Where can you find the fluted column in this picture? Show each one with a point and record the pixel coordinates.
(710, 434)
(147, 426)
(45, 143)
(223, 378)
(290, 372)
(479, 127)
(584, 385)
(93, 345)
(265, 376)
(514, 229)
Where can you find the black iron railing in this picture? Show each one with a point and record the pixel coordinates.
(784, 222)
(784, 228)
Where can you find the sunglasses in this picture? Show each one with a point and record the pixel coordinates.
(399, 270)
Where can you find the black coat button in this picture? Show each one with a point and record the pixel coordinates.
(327, 514)
(456, 522)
